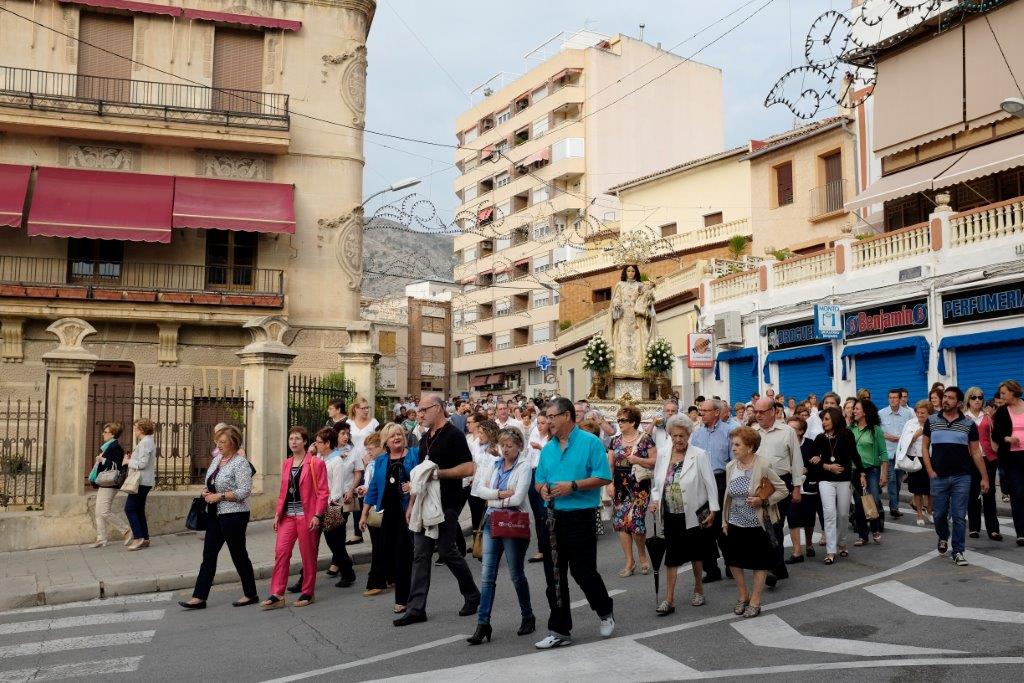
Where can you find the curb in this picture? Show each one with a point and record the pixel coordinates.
(59, 595)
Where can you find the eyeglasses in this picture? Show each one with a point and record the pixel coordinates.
(623, 420)
(764, 412)
(553, 415)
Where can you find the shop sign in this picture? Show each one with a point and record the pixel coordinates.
(997, 301)
(828, 321)
(788, 335)
(702, 350)
(898, 317)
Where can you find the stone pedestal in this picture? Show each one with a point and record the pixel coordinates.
(628, 391)
(359, 359)
(265, 363)
(68, 368)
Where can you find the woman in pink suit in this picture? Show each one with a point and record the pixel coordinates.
(300, 512)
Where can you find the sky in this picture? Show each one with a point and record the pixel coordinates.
(425, 56)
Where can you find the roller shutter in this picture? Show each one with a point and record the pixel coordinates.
(798, 378)
(989, 366)
(899, 368)
(742, 379)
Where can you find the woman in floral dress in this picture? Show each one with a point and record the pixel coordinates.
(631, 488)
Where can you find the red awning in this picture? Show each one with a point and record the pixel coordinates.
(496, 379)
(523, 262)
(478, 381)
(129, 6)
(104, 205)
(13, 188)
(245, 205)
(542, 155)
(564, 72)
(243, 19)
(485, 213)
(487, 151)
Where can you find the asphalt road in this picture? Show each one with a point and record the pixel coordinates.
(895, 611)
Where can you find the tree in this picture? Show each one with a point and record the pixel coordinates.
(737, 245)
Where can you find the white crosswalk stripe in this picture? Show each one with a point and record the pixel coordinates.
(29, 650)
(84, 620)
(77, 670)
(922, 604)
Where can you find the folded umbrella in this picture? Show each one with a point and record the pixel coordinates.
(656, 552)
(553, 543)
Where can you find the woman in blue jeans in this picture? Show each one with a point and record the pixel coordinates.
(503, 482)
(870, 439)
(143, 459)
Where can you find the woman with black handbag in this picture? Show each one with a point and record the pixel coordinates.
(686, 493)
(107, 476)
(504, 484)
(228, 486)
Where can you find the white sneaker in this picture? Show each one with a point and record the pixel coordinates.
(553, 640)
(960, 560)
(608, 625)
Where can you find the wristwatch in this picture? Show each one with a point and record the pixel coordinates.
(575, 486)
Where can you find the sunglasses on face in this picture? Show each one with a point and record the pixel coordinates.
(623, 420)
(976, 398)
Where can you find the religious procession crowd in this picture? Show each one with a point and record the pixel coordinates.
(716, 481)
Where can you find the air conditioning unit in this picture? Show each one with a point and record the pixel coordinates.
(728, 329)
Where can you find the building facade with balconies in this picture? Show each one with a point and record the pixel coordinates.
(154, 183)
(939, 294)
(536, 156)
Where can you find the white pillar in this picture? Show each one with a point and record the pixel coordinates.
(359, 359)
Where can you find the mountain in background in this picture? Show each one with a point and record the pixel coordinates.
(395, 256)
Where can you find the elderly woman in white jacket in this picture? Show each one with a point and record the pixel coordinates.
(504, 483)
(685, 493)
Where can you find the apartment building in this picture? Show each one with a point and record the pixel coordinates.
(152, 182)
(414, 339)
(537, 155)
(939, 294)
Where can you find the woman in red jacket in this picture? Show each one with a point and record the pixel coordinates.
(300, 511)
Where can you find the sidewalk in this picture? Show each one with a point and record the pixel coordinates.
(52, 576)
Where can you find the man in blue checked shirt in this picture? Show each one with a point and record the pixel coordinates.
(713, 437)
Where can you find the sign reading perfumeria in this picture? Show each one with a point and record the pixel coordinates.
(997, 301)
(897, 317)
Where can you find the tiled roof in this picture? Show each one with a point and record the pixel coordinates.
(686, 165)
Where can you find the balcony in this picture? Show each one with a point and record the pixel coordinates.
(59, 278)
(827, 200)
(258, 120)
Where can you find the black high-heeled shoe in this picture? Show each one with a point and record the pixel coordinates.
(528, 626)
(482, 631)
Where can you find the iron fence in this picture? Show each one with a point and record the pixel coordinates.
(308, 398)
(184, 418)
(828, 198)
(150, 277)
(22, 452)
(101, 95)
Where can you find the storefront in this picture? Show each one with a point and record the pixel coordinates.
(742, 369)
(984, 355)
(901, 362)
(803, 365)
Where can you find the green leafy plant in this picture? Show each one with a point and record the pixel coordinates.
(782, 254)
(659, 356)
(737, 245)
(597, 355)
(564, 325)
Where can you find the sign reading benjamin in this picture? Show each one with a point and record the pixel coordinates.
(888, 318)
(997, 301)
(788, 335)
(701, 350)
(828, 321)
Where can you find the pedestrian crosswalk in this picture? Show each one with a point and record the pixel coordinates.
(52, 642)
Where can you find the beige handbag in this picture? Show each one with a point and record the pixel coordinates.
(375, 518)
(131, 482)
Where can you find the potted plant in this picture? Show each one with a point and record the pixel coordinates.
(658, 362)
(597, 357)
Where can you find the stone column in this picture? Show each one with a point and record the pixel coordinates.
(939, 225)
(265, 363)
(844, 252)
(359, 359)
(68, 368)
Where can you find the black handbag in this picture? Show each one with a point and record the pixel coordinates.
(196, 519)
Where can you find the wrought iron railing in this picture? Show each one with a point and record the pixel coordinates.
(22, 452)
(129, 275)
(180, 102)
(828, 198)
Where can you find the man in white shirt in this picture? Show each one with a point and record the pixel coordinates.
(504, 419)
(657, 428)
(781, 448)
(894, 417)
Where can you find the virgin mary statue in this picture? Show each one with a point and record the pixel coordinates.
(631, 322)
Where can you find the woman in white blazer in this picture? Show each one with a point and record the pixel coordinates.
(685, 492)
(504, 483)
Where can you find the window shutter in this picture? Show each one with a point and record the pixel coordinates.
(237, 70)
(712, 219)
(784, 183)
(104, 52)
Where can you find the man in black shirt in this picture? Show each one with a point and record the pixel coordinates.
(446, 446)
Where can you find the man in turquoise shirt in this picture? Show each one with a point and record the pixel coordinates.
(573, 467)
